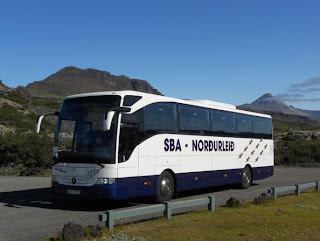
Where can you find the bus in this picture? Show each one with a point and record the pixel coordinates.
(125, 144)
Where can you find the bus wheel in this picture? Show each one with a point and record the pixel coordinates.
(165, 187)
(246, 178)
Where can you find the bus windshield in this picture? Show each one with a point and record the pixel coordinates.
(79, 135)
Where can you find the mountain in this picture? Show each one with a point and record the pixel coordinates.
(73, 80)
(269, 103)
(4, 89)
(312, 113)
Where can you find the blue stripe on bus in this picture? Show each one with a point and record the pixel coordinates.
(132, 187)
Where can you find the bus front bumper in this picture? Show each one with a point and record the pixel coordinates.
(97, 191)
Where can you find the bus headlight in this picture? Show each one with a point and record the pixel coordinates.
(54, 178)
(105, 181)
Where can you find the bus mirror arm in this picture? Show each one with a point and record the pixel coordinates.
(38, 125)
(110, 114)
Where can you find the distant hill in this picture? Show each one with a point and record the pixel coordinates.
(312, 113)
(73, 80)
(269, 104)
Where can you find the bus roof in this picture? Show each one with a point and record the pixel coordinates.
(152, 98)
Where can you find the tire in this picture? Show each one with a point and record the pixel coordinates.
(165, 187)
(246, 178)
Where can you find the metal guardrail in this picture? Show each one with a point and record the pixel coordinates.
(110, 216)
(297, 188)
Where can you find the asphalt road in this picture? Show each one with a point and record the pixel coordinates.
(28, 210)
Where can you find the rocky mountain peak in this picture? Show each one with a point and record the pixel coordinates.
(268, 103)
(4, 89)
(72, 80)
(265, 96)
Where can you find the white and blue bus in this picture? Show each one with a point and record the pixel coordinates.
(124, 144)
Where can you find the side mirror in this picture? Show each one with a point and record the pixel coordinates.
(38, 125)
(110, 114)
(108, 120)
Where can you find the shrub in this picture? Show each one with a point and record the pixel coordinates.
(29, 150)
(16, 97)
(292, 150)
(10, 116)
(51, 104)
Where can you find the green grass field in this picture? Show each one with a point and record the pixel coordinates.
(287, 218)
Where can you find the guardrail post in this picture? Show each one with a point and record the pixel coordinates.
(168, 210)
(110, 220)
(298, 190)
(274, 191)
(212, 203)
(318, 186)
(102, 217)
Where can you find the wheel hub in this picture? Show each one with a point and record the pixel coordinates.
(246, 177)
(165, 187)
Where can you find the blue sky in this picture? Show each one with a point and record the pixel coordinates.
(230, 51)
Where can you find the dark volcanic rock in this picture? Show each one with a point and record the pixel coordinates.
(72, 232)
(261, 199)
(233, 203)
(72, 80)
(95, 231)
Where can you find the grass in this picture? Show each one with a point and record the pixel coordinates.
(287, 218)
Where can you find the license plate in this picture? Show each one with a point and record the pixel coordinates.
(73, 192)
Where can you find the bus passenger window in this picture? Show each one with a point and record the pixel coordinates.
(262, 127)
(223, 123)
(244, 125)
(160, 117)
(194, 120)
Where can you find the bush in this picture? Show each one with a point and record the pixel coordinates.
(10, 116)
(292, 150)
(29, 150)
(51, 104)
(16, 97)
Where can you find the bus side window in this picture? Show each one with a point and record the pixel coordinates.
(223, 123)
(262, 127)
(244, 123)
(194, 120)
(129, 135)
(160, 117)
